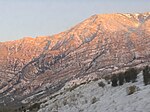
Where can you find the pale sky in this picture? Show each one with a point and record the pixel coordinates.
(23, 18)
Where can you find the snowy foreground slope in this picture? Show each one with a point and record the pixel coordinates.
(93, 98)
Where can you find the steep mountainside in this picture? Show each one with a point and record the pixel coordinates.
(101, 44)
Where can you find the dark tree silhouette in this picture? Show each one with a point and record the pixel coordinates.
(146, 75)
(121, 78)
(114, 80)
(131, 75)
(127, 77)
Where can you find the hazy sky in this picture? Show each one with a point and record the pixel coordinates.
(21, 18)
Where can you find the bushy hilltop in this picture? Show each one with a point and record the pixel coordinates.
(99, 45)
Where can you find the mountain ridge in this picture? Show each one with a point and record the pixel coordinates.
(100, 44)
(126, 14)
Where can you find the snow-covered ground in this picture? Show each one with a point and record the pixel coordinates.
(92, 98)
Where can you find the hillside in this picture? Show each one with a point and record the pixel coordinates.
(100, 45)
(93, 98)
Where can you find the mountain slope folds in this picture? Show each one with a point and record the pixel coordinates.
(101, 44)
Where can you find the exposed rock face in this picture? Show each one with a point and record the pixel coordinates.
(100, 44)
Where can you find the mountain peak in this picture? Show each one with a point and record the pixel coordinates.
(99, 45)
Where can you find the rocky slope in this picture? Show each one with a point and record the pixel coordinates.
(101, 44)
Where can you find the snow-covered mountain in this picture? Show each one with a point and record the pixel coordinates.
(34, 68)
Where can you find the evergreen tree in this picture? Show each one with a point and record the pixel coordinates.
(146, 75)
(127, 77)
(121, 78)
(114, 80)
(131, 75)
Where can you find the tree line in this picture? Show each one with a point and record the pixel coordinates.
(130, 75)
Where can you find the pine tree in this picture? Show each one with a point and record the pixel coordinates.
(127, 77)
(121, 78)
(146, 75)
(114, 80)
(133, 74)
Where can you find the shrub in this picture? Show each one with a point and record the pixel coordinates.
(34, 107)
(108, 82)
(127, 77)
(114, 80)
(131, 89)
(95, 79)
(131, 75)
(65, 102)
(107, 77)
(101, 84)
(8, 109)
(146, 75)
(94, 100)
(121, 78)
